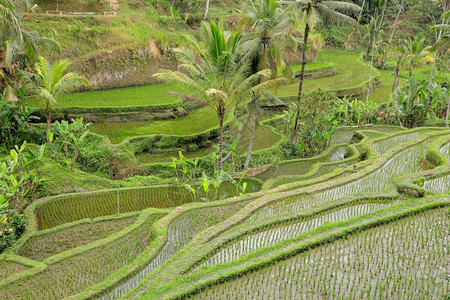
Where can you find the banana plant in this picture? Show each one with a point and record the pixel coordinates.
(233, 147)
(19, 177)
(78, 132)
(63, 133)
(411, 109)
(69, 138)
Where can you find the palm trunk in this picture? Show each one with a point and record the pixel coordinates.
(434, 58)
(371, 69)
(48, 114)
(397, 70)
(394, 87)
(382, 12)
(448, 113)
(205, 15)
(300, 85)
(394, 26)
(244, 129)
(360, 13)
(220, 164)
(250, 143)
(410, 70)
(366, 57)
(383, 62)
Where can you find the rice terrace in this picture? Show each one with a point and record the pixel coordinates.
(205, 149)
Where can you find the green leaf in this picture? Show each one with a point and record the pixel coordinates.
(205, 185)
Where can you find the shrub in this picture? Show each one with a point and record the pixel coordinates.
(19, 224)
(6, 238)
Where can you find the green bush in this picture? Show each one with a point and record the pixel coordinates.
(95, 156)
(19, 224)
(7, 239)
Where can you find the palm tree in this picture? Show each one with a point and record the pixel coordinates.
(270, 24)
(401, 50)
(49, 83)
(217, 75)
(443, 28)
(18, 47)
(311, 10)
(415, 50)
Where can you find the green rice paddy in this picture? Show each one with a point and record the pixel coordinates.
(195, 122)
(147, 95)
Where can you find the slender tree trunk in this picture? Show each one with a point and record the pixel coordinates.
(220, 164)
(394, 87)
(300, 85)
(244, 129)
(366, 57)
(250, 143)
(410, 70)
(371, 69)
(383, 62)
(48, 114)
(448, 113)
(434, 58)
(205, 15)
(382, 12)
(397, 70)
(394, 25)
(360, 13)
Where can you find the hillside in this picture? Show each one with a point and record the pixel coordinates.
(124, 49)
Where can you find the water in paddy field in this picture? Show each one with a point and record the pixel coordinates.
(446, 150)
(389, 143)
(273, 236)
(180, 233)
(373, 183)
(376, 263)
(338, 154)
(442, 184)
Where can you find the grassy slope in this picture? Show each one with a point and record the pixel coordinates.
(59, 180)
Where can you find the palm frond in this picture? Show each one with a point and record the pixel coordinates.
(341, 5)
(334, 14)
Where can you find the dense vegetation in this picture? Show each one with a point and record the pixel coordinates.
(171, 149)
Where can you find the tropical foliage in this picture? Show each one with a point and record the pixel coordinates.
(217, 74)
(50, 82)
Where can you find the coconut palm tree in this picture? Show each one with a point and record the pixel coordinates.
(49, 83)
(270, 25)
(415, 50)
(18, 47)
(216, 74)
(311, 10)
